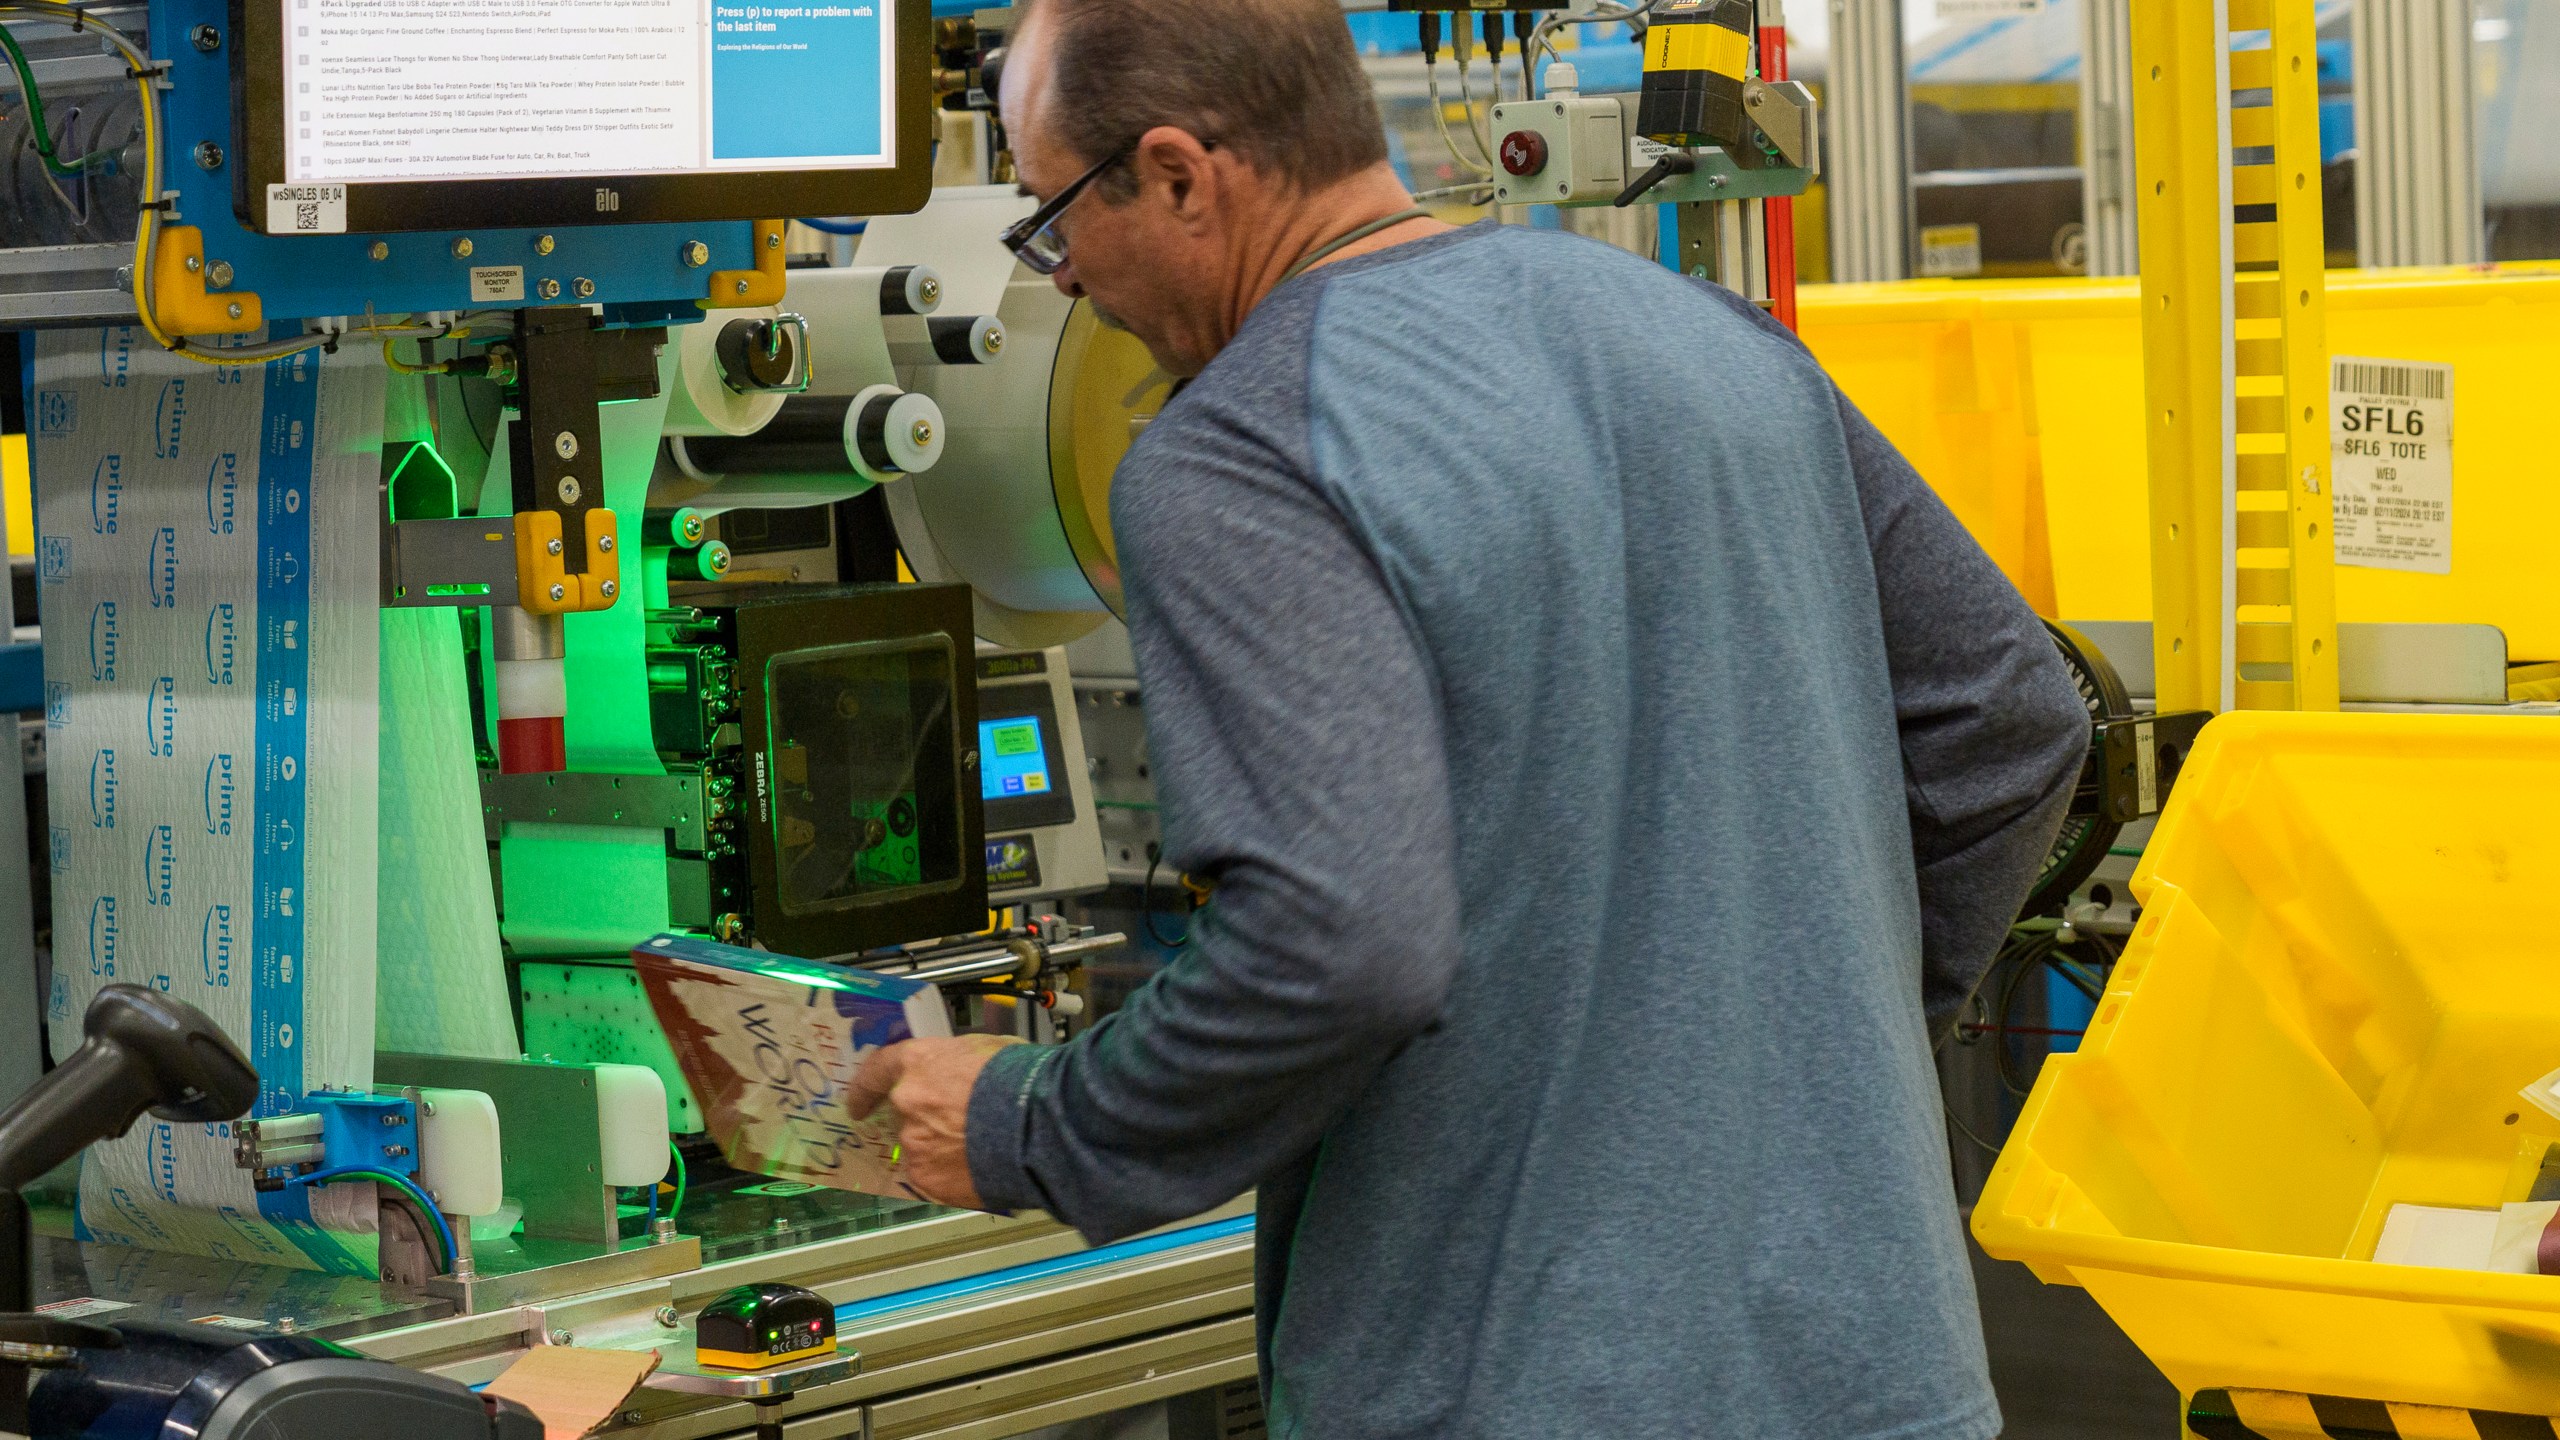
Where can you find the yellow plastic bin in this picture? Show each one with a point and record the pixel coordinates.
(2346, 969)
(2021, 401)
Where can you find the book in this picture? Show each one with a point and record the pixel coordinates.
(770, 1045)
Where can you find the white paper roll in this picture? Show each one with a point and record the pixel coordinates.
(702, 402)
(209, 544)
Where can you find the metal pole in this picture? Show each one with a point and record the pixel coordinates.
(2106, 135)
(2417, 155)
(1869, 140)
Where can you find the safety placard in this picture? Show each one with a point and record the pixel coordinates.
(2391, 464)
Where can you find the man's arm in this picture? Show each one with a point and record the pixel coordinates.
(1993, 731)
(1295, 736)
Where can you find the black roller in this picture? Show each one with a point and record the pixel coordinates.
(953, 339)
(871, 432)
(894, 284)
(807, 438)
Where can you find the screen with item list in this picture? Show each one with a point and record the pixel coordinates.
(418, 90)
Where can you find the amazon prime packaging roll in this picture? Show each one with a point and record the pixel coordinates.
(207, 553)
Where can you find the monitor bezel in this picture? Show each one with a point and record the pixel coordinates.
(391, 207)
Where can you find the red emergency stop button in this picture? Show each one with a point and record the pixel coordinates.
(1524, 152)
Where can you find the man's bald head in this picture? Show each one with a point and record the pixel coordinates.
(1275, 81)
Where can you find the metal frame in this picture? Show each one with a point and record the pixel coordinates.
(1869, 142)
(2235, 356)
(1016, 1358)
(2106, 135)
(2418, 170)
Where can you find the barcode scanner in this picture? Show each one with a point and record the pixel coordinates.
(142, 1051)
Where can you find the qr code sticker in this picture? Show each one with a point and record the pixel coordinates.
(306, 216)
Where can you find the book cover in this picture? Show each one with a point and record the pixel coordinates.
(770, 1045)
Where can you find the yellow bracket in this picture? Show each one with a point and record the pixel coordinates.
(2235, 358)
(179, 301)
(538, 569)
(750, 289)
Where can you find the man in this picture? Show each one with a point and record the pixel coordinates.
(1611, 761)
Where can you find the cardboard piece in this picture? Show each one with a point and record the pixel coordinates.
(574, 1391)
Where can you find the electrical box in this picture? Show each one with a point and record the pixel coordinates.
(1567, 150)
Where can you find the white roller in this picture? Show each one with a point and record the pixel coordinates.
(459, 1152)
(901, 427)
(702, 401)
(532, 687)
(631, 1117)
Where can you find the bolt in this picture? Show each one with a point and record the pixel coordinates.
(560, 592)
(567, 444)
(610, 589)
(720, 561)
(696, 254)
(569, 490)
(544, 245)
(742, 287)
(605, 543)
(995, 342)
(208, 155)
(381, 250)
(462, 247)
(584, 286)
(559, 1337)
(631, 1417)
(691, 528)
(286, 1325)
(667, 1316)
(194, 264)
(921, 432)
(550, 289)
(219, 272)
(552, 548)
(235, 311)
(930, 291)
(206, 38)
(773, 241)
(1715, 182)
(124, 278)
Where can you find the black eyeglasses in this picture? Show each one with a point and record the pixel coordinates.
(1034, 239)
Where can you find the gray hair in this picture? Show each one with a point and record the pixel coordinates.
(1275, 81)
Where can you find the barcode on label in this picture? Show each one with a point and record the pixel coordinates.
(2406, 382)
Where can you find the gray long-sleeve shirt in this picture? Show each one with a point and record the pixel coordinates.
(1606, 751)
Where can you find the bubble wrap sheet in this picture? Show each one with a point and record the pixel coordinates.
(208, 553)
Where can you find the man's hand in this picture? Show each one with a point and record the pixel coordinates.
(927, 1082)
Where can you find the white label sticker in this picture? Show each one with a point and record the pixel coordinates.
(306, 209)
(2391, 464)
(1646, 151)
(81, 1308)
(492, 284)
(1986, 9)
(2146, 769)
(1950, 250)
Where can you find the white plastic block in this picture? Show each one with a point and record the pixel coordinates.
(458, 1152)
(631, 1112)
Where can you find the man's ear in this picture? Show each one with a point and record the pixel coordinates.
(1174, 163)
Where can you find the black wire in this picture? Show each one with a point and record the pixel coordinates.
(1966, 1130)
(1147, 903)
